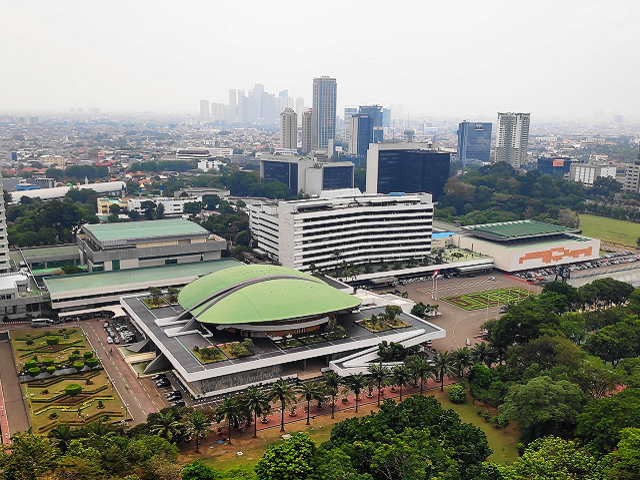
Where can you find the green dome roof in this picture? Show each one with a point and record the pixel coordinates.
(261, 293)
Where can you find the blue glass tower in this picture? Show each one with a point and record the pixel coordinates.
(474, 142)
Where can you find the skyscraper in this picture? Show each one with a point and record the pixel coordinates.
(375, 112)
(233, 106)
(474, 141)
(325, 94)
(307, 131)
(4, 243)
(204, 109)
(288, 129)
(348, 111)
(300, 109)
(512, 138)
(360, 134)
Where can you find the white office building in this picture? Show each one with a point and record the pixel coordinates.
(4, 241)
(588, 172)
(512, 137)
(343, 226)
(288, 129)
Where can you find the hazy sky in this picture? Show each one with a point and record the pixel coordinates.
(449, 58)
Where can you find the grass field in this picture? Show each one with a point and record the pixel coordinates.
(502, 442)
(610, 229)
(492, 298)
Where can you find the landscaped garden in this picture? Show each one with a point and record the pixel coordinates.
(491, 298)
(61, 379)
(237, 349)
(157, 299)
(50, 351)
(76, 399)
(385, 321)
(208, 354)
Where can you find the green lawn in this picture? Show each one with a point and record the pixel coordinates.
(492, 298)
(610, 229)
(502, 442)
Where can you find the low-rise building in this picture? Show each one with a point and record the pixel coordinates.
(306, 174)
(19, 296)
(127, 245)
(588, 172)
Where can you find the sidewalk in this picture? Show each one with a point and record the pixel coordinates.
(13, 415)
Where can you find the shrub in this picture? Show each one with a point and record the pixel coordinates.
(34, 372)
(30, 363)
(73, 389)
(100, 404)
(53, 340)
(73, 357)
(196, 348)
(88, 354)
(47, 361)
(28, 335)
(457, 394)
(51, 369)
(88, 381)
(76, 352)
(78, 365)
(29, 342)
(53, 415)
(92, 362)
(61, 330)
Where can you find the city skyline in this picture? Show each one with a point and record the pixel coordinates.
(569, 64)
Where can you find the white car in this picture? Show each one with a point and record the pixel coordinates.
(109, 340)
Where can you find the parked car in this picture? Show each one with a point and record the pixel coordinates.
(106, 324)
(179, 403)
(158, 376)
(109, 340)
(175, 393)
(116, 340)
(163, 383)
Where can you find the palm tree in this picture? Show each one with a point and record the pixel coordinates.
(62, 434)
(310, 391)
(199, 425)
(462, 359)
(400, 374)
(256, 401)
(332, 381)
(445, 365)
(421, 368)
(231, 412)
(281, 392)
(482, 352)
(380, 374)
(356, 383)
(166, 426)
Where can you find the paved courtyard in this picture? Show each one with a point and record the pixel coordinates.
(460, 324)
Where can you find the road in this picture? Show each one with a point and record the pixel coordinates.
(140, 395)
(12, 407)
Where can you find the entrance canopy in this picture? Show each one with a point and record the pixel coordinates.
(115, 309)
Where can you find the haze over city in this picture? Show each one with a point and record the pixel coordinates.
(559, 60)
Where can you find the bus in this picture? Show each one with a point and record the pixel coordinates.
(42, 322)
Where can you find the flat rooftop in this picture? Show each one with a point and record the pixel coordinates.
(121, 232)
(517, 230)
(179, 348)
(59, 286)
(48, 252)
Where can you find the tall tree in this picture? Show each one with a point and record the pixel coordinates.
(283, 393)
(332, 382)
(421, 368)
(356, 383)
(231, 412)
(380, 374)
(256, 401)
(199, 425)
(310, 391)
(400, 375)
(462, 359)
(166, 426)
(62, 434)
(444, 363)
(484, 353)
(28, 457)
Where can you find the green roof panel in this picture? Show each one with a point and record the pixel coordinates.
(106, 232)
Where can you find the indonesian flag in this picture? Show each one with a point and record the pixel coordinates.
(435, 273)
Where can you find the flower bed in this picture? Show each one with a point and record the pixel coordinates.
(289, 343)
(234, 350)
(208, 355)
(313, 339)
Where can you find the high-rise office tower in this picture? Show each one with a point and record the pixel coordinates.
(348, 112)
(300, 109)
(5, 267)
(283, 93)
(512, 138)
(233, 106)
(375, 112)
(474, 141)
(204, 109)
(307, 131)
(325, 95)
(288, 129)
(360, 134)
